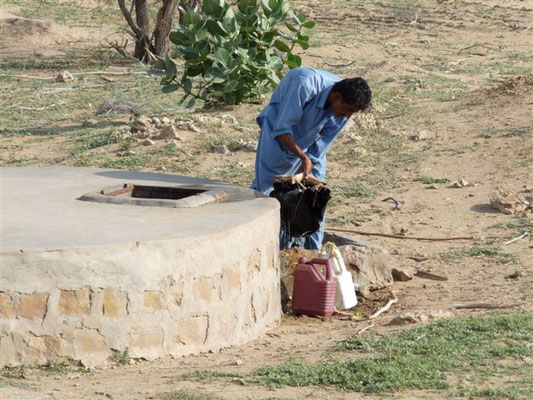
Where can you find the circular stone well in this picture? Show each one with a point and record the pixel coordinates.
(84, 278)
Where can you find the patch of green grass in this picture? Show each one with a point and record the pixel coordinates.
(358, 190)
(491, 252)
(52, 367)
(212, 375)
(20, 372)
(122, 357)
(519, 224)
(165, 156)
(426, 180)
(71, 13)
(56, 367)
(421, 358)
(512, 132)
(517, 132)
(91, 140)
(524, 391)
(236, 173)
(183, 395)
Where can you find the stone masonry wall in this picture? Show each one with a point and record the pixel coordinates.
(157, 298)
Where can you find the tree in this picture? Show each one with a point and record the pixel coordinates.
(150, 44)
(233, 51)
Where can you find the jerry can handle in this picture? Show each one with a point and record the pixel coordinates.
(323, 261)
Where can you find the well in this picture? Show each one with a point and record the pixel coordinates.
(84, 278)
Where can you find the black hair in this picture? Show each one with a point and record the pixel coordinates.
(354, 91)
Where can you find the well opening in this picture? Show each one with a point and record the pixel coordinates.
(157, 196)
(153, 192)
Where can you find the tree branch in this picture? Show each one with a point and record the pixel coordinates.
(141, 35)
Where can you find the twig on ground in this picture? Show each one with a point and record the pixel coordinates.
(38, 108)
(339, 65)
(481, 305)
(516, 239)
(399, 236)
(385, 307)
(428, 275)
(392, 116)
(360, 331)
(397, 203)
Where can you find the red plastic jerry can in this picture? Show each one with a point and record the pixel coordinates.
(313, 290)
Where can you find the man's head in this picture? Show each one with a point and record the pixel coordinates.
(349, 96)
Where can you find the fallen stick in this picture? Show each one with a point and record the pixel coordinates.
(38, 108)
(384, 308)
(339, 65)
(523, 235)
(40, 78)
(73, 74)
(392, 116)
(480, 305)
(397, 203)
(428, 275)
(360, 331)
(399, 236)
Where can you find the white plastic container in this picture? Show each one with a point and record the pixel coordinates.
(345, 296)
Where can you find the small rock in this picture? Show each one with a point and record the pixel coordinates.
(64, 76)
(141, 124)
(165, 121)
(168, 132)
(360, 150)
(513, 277)
(403, 231)
(229, 118)
(432, 187)
(125, 153)
(241, 381)
(402, 274)
(247, 146)
(148, 142)
(404, 319)
(238, 362)
(194, 128)
(423, 134)
(419, 257)
(118, 106)
(161, 168)
(508, 202)
(461, 183)
(141, 135)
(222, 149)
(156, 121)
(391, 133)
(173, 143)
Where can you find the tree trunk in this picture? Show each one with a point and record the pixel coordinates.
(187, 5)
(142, 17)
(165, 16)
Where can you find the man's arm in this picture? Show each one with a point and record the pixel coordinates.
(289, 143)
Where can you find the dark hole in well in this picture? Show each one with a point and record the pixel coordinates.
(159, 192)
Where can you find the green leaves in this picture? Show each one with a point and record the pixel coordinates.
(293, 61)
(213, 8)
(233, 54)
(281, 46)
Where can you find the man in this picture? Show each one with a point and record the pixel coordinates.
(306, 112)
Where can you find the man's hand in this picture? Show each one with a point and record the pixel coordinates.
(307, 166)
(289, 143)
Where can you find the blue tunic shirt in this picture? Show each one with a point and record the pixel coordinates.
(297, 107)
